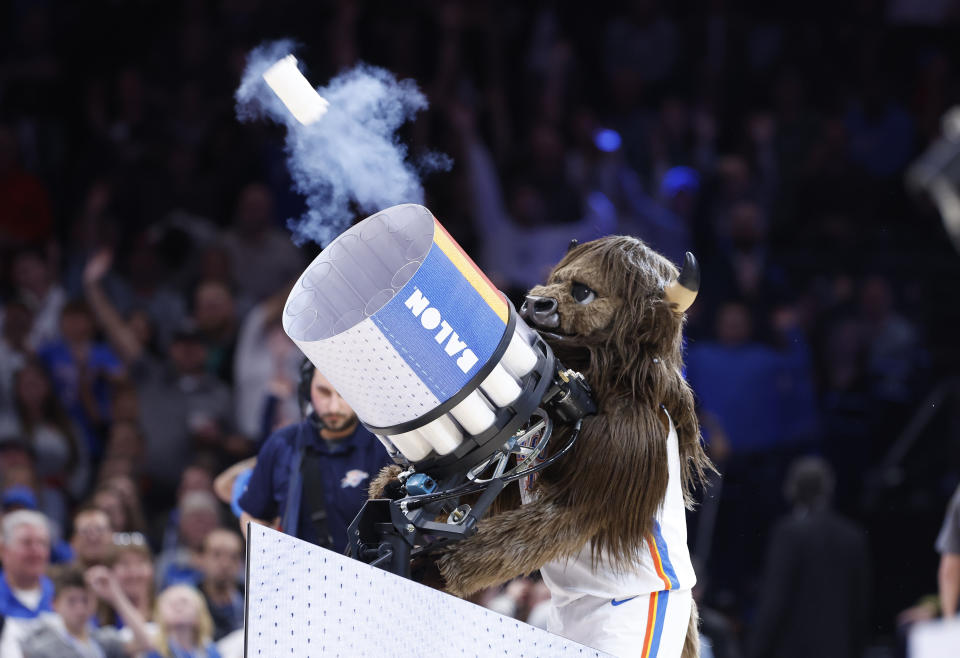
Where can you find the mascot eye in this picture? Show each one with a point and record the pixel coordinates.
(582, 294)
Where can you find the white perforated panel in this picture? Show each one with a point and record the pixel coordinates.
(935, 639)
(306, 601)
(370, 374)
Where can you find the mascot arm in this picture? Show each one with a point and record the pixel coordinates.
(386, 476)
(515, 543)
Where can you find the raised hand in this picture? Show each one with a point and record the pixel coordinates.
(103, 583)
(97, 266)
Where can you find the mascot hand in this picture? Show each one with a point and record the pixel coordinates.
(386, 484)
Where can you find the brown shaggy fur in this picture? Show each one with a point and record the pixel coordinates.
(386, 475)
(627, 343)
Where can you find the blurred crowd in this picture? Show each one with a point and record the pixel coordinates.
(145, 260)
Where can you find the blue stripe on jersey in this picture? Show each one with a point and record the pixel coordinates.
(662, 598)
(665, 556)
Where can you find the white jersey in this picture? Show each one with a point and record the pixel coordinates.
(643, 610)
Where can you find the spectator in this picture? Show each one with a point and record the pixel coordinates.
(92, 539)
(894, 357)
(644, 41)
(195, 477)
(126, 441)
(133, 568)
(519, 598)
(538, 605)
(198, 514)
(230, 485)
(14, 351)
(25, 590)
(667, 227)
(519, 244)
(67, 633)
(37, 287)
(263, 258)
(221, 561)
(813, 551)
(82, 371)
(146, 287)
(126, 403)
(18, 470)
(185, 627)
(881, 131)
(119, 507)
(718, 636)
(762, 400)
(183, 410)
(315, 474)
(266, 367)
(61, 455)
(747, 270)
(127, 337)
(133, 519)
(20, 496)
(948, 545)
(754, 390)
(213, 310)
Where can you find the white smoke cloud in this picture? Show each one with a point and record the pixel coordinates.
(352, 154)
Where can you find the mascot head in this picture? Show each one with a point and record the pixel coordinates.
(614, 309)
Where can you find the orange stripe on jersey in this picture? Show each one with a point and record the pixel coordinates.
(658, 563)
(651, 619)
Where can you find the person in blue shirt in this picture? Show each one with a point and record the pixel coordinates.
(325, 461)
(82, 371)
(25, 590)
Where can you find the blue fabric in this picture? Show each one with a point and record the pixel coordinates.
(347, 466)
(179, 574)
(239, 486)
(761, 396)
(11, 607)
(61, 552)
(209, 651)
(65, 374)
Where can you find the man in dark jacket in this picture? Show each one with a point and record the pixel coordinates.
(816, 587)
(314, 474)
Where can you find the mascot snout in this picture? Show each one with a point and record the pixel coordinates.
(541, 311)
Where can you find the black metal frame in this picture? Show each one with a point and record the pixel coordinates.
(390, 533)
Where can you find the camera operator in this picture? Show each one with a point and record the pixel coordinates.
(315, 474)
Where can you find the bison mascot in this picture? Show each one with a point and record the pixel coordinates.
(605, 524)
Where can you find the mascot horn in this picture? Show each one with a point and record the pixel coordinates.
(605, 524)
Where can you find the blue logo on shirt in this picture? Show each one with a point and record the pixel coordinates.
(615, 602)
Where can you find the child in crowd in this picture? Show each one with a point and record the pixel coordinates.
(67, 632)
(186, 629)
